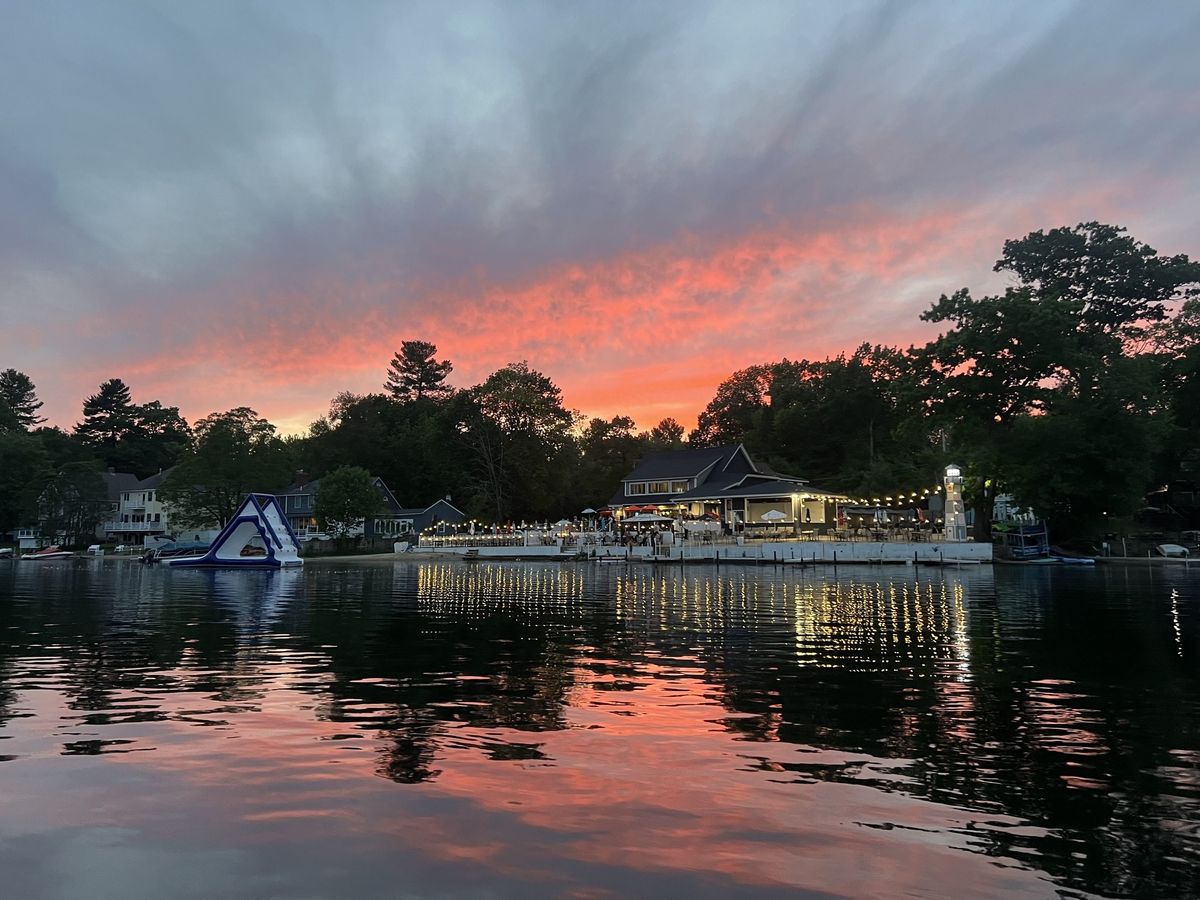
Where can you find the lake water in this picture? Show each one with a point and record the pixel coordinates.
(383, 729)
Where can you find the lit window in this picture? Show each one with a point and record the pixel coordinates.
(635, 488)
(679, 487)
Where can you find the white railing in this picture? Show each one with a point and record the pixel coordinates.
(132, 527)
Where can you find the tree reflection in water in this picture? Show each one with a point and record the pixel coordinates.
(1060, 707)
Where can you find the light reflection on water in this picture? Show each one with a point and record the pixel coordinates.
(528, 729)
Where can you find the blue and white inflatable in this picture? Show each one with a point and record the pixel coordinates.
(259, 516)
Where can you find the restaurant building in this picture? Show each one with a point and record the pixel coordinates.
(724, 484)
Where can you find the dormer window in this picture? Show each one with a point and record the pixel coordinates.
(634, 488)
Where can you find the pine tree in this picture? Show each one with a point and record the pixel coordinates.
(108, 416)
(19, 401)
(414, 373)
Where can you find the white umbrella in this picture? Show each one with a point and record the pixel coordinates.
(774, 515)
(588, 512)
(560, 523)
(647, 517)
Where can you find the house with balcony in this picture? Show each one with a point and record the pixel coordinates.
(725, 484)
(143, 518)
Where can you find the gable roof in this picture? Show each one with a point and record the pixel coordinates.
(389, 499)
(717, 472)
(418, 510)
(147, 484)
(296, 489)
(117, 483)
(693, 462)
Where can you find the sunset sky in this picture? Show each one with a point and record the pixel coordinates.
(237, 203)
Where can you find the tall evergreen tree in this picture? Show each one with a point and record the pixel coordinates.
(108, 417)
(19, 404)
(414, 373)
(142, 439)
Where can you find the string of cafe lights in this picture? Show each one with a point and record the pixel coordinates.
(898, 498)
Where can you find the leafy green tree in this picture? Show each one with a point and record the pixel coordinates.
(414, 373)
(736, 409)
(1081, 461)
(235, 453)
(345, 498)
(518, 432)
(1062, 345)
(1176, 347)
(1113, 284)
(73, 503)
(850, 423)
(62, 447)
(667, 435)
(24, 471)
(608, 450)
(415, 447)
(19, 404)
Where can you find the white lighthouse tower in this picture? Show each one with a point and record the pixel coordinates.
(956, 512)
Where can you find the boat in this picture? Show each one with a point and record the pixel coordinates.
(54, 552)
(175, 550)
(6, 553)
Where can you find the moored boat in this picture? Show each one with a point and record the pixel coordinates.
(54, 552)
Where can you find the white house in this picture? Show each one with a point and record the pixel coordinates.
(143, 518)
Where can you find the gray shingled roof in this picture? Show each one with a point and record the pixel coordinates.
(681, 463)
(149, 484)
(762, 482)
(117, 483)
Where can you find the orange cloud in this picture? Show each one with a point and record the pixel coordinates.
(648, 334)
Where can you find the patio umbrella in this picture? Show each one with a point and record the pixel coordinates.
(647, 517)
(588, 512)
(774, 515)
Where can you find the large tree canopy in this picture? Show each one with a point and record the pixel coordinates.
(1026, 375)
(346, 497)
(519, 433)
(235, 453)
(1111, 283)
(24, 472)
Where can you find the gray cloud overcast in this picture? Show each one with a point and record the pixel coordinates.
(154, 151)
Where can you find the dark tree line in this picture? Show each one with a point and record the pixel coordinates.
(1075, 390)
